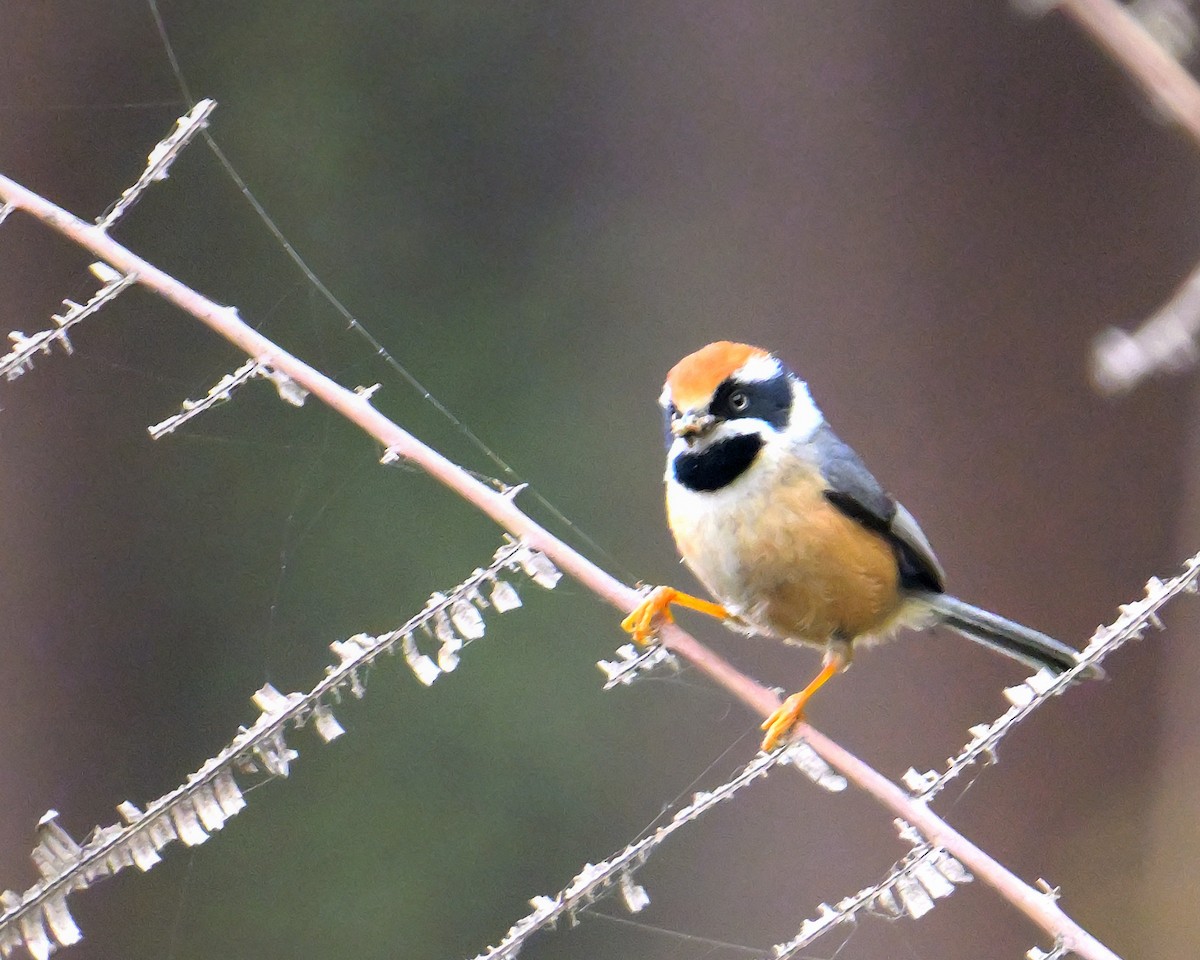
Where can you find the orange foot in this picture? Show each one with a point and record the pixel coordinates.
(657, 604)
(791, 711)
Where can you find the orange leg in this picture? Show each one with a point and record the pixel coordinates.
(657, 604)
(791, 711)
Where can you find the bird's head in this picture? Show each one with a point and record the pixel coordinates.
(724, 403)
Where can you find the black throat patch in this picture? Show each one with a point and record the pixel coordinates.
(718, 464)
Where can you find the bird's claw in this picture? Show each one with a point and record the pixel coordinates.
(780, 723)
(641, 622)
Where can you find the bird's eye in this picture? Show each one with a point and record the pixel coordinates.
(738, 401)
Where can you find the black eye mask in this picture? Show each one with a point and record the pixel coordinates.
(769, 400)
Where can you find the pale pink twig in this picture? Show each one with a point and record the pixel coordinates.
(1159, 74)
(1039, 907)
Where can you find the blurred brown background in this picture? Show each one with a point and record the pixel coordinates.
(928, 209)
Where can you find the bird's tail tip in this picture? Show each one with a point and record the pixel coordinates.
(1012, 639)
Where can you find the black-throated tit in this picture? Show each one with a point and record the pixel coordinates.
(787, 528)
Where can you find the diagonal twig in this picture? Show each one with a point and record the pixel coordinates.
(159, 161)
(398, 442)
(223, 390)
(1162, 78)
(40, 919)
(1131, 624)
(20, 358)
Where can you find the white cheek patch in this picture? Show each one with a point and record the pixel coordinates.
(806, 417)
(677, 449)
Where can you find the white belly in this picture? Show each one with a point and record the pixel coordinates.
(783, 559)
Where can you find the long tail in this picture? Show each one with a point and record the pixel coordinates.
(1012, 639)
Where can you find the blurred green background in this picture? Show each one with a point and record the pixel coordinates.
(928, 209)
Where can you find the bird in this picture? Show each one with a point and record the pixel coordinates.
(792, 535)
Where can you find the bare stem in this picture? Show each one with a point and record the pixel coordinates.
(1167, 340)
(1037, 906)
(1160, 75)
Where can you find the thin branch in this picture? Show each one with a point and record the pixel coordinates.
(398, 442)
(40, 919)
(596, 879)
(1166, 342)
(19, 359)
(630, 662)
(909, 889)
(159, 161)
(1131, 624)
(1168, 85)
(223, 390)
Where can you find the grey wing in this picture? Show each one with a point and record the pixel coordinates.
(856, 492)
(926, 572)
